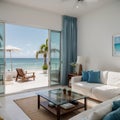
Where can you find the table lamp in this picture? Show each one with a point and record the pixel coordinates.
(79, 65)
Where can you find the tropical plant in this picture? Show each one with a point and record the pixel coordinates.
(43, 50)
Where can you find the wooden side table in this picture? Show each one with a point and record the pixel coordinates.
(78, 72)
(69, 78)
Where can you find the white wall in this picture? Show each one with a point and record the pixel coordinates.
(14, 14)
(95, 37)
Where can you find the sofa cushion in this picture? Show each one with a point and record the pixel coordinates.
(84, 88)
(113, 79)
(99, 114)
(104, 76)
(94, 77)
(105, 92)
(114, 115)
(116, 105)
(85, 75)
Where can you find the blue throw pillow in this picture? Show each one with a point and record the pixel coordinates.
(94, 77)
(116, 105)
(85, 75)
(114, 115)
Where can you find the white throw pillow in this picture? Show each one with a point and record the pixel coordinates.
(104, 76)
(100, 112)
(114, 79)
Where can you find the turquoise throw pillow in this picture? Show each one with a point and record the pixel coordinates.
(85, 75)
(94, 77)
(114, 115)
(116, 105)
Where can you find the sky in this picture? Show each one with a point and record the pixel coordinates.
(28, 39)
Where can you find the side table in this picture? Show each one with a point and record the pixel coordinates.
(70, 75)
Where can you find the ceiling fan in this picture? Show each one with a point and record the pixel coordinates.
(87, 0)
(82, 0)
(77, 2)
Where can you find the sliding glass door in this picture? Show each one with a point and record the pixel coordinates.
(2, 57)
(54, 57)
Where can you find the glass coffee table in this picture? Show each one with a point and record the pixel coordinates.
(57, 102)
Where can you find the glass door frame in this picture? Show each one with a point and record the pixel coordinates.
(4, 62)
(49, 62)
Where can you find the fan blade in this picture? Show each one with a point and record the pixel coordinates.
(65, 0)
(90, 0)
(80, 0)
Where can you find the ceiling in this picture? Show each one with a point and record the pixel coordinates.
(62, 7)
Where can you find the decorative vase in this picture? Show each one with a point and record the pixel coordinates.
(69, 92)
(64, 91)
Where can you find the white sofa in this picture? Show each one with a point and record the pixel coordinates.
(98, 112)
(107, 89)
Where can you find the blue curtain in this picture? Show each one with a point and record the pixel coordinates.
(69, 46)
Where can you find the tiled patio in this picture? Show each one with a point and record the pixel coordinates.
(12, 86)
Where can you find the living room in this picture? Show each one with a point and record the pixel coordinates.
(96, 29)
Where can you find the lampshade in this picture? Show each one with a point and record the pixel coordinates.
(79, 60)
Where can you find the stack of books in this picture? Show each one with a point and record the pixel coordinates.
(67, 106)
(50, 104)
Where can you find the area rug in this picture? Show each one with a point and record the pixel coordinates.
(29, 106)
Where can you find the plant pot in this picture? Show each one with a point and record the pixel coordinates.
(44, 71)
(69, 92)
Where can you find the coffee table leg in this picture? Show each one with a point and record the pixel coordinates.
(85, 102)
(58, 112)
(38, 101)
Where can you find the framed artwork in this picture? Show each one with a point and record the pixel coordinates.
(116, 45)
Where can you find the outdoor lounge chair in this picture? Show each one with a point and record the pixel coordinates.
(24, 75)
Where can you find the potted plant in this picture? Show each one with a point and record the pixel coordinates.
(45, 67)
(74, 66)
(43, 50)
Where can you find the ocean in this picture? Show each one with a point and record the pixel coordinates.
(117, 47)
(28, 63)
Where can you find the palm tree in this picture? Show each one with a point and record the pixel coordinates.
(43, 50)
(1, 39)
